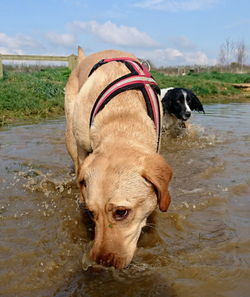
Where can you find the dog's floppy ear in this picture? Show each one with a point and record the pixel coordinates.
(195, 103)
(158, 173)
(167, 102)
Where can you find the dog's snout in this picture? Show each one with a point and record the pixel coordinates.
(108, 259)
(187, 114)
(105, 260)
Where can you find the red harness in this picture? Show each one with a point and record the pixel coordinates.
(138, 78)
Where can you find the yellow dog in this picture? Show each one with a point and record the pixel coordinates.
(121, 175)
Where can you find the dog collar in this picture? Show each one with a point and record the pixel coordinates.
(138, 78)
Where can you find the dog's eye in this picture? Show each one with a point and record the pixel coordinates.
(120, 214)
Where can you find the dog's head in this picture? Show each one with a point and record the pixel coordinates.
(121, 195)
(180, 102)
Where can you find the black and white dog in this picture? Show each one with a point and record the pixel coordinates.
(177, 106)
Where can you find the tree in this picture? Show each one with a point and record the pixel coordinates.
(229, 48)
(241, 53)
(232, 54)
(226, 52)
(222, 56)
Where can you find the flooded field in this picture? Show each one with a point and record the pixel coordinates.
(201, 247)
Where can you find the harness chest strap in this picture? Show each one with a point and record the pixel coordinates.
(139, 78)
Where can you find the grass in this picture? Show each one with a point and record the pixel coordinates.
(34, 94)
(223, 77)
(211, 87)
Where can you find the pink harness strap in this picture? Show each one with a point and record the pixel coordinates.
(139, 78)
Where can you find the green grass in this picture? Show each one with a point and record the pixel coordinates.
(211, 87)
(32, 95)
(223, 77)
(36, 94)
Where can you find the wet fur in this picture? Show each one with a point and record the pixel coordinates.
(115, 159)
(177, 106)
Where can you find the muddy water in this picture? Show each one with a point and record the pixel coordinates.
(201, 247)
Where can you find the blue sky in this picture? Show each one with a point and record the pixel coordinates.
(168, 32)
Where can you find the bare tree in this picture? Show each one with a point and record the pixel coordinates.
(222, 56)
(241, 53)
(226, 53)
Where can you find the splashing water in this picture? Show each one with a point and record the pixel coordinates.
(200, 247)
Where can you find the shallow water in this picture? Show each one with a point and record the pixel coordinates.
(201, 247)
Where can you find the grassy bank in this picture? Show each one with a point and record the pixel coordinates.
(38, 94)
(210, 87)
(32, 95)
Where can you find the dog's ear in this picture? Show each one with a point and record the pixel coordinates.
(80, 53)
(195, 103)
(158, 173)
(167, 102)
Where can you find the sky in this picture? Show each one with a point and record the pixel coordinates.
(166, 32)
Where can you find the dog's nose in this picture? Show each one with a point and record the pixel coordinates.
(108, 259)
(105, 260)
(187, 114)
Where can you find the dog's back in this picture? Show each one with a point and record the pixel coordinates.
(86, 89)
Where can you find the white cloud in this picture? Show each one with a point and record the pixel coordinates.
(45, 44)
(172, 57)
(60, 39)
(176, 5)
(17, 42)
(13, 51)
(196, 58)
(117, 35)
(123, 36)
